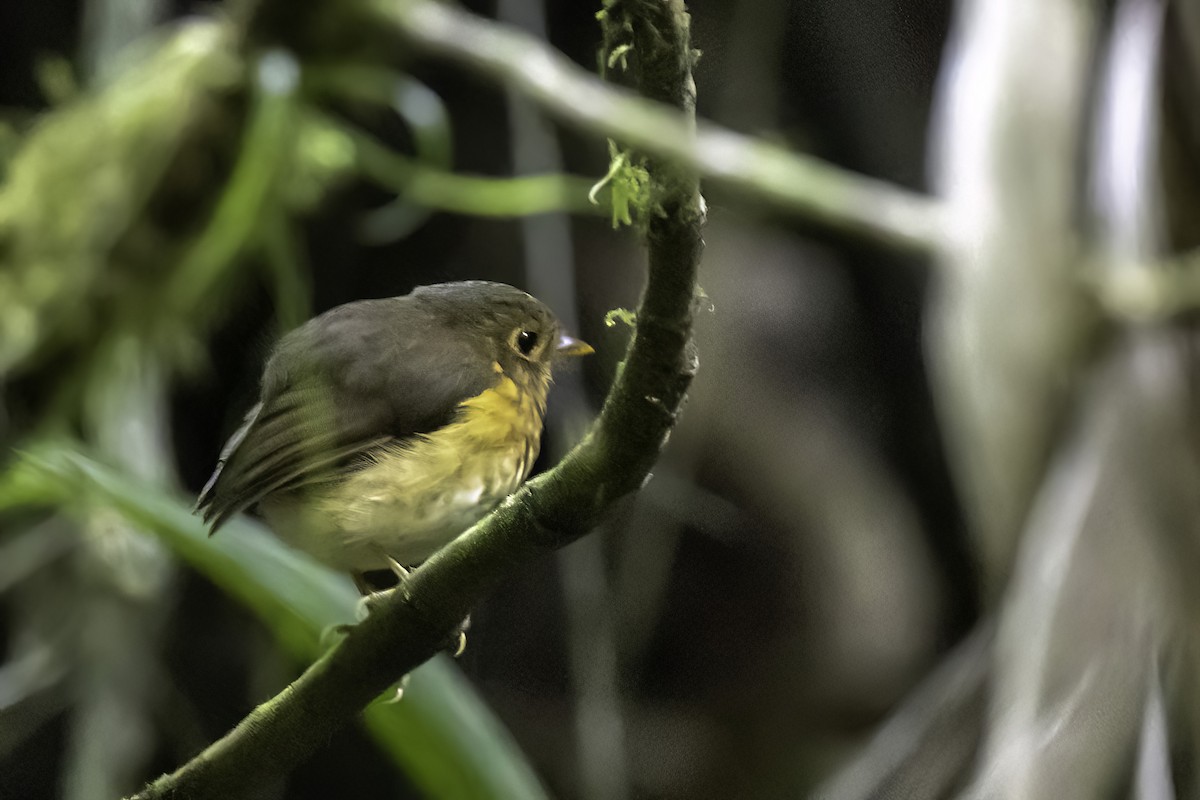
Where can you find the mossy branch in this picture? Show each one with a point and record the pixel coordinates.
(817, 190)
(414, 621)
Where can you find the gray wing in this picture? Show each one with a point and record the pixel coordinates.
(350, 380)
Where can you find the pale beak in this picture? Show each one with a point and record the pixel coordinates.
(570, 346)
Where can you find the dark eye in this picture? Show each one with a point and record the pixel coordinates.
(526, 341)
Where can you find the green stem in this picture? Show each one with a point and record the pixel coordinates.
(824, 193)
(475, 195)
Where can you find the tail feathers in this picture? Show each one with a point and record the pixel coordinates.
(209, 506)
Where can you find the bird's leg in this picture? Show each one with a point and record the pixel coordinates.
(399, 569)
(361, 609)
(400, 687)
(371, 595)
(458, 639)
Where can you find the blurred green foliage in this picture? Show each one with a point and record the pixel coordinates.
(73, 223)
(441, 733)
(127, 216)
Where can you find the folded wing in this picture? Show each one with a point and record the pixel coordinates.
(346, 382)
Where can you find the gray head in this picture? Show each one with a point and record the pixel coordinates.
(520, 332)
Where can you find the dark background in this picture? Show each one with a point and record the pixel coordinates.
(796, 563)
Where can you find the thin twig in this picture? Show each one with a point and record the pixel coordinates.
(1148, 291)
(926, 747)
(825, 194)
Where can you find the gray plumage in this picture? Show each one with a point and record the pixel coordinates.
(368, 375)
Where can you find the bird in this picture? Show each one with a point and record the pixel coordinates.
(385, 428)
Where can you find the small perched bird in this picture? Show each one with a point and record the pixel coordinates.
(385, 428)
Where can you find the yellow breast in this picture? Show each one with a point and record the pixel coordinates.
(417, 495)
(503, 412)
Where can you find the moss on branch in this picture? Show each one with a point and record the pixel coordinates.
(818, 191)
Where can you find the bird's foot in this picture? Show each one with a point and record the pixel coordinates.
(399, 695)
(457, 644)
(371, 595)
(366, 604)
(331, 635)
(399, 569)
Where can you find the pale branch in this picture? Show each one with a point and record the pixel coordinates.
(926, 747)
(1150, 292)
(1010, 175)
(813, 188)
(414, 621)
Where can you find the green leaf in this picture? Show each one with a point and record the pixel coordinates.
(442, 734)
